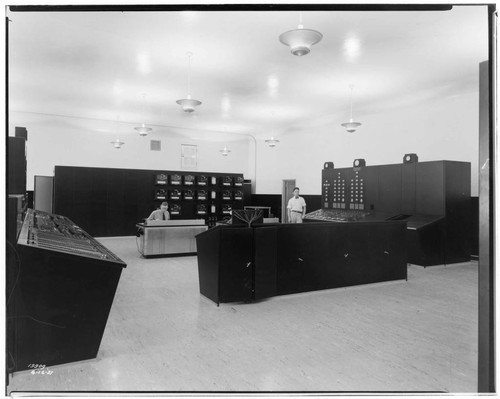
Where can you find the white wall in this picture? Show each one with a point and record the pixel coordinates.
(440, 128)
(67, 141)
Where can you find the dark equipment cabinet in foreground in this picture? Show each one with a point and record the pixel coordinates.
(250, 263)
(59, 304)
(224, 263)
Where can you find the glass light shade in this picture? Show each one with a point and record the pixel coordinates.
(300, 40)
(188, 104)
(143, 130)
(272, 142)
(117, 143)
(351, 126)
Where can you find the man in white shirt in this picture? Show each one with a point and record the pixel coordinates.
(160, 214)
(296, 207)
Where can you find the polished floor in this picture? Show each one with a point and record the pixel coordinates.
(162, 335)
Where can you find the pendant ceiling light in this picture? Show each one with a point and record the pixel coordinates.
(143, 130)
(300, 40)
(117, 143)
(225, 151)
(351, 126)
(272, 142)
(188, 104)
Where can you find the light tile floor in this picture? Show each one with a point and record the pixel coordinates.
(162, 335)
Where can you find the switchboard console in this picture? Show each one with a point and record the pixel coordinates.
(57, 233)
(343, 189)
(62, 295)
(432, 197)
(336, 215)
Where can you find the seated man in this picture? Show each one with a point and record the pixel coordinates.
(160, 214)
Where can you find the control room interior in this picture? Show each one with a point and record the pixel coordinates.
(385, 286)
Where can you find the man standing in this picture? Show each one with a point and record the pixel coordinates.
(296, 207)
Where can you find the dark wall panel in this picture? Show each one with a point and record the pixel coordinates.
(313, 202)
(458, 212)
(408, 202)
(99, 204)
(109, 202)
(272, 200)
(389, 188)
(16, 166)
(429, 185)
(370, 176)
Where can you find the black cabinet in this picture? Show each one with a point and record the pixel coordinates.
(245, 263)
(225, 268)
(236, 265)
(265, 262)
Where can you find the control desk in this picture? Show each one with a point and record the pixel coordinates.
(169, 237)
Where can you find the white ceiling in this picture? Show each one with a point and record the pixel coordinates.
(98, 65)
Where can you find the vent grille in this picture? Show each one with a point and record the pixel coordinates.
(155, 145)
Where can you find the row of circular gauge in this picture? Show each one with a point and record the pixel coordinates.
(200, 195)
(190, 180)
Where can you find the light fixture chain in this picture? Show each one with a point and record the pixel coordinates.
(189, 73)
(143, 107)
(351, 100)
